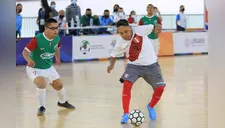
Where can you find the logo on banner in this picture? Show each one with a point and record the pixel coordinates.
(194, 42)
(85, 47)
(113, 43)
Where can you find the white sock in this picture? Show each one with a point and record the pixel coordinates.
(41, 95)
(61, 95)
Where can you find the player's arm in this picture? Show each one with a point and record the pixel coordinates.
(159, 21)
(140, 22)
(26, 51)
(177, 18)
(57, 53)
(117, 51)
(148, 29)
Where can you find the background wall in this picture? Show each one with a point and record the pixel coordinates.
(30, 7)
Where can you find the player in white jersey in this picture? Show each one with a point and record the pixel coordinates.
(142, 63)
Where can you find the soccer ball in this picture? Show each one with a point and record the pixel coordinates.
(136, 117)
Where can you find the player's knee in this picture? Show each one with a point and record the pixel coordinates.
(57, 85)
(40, 82)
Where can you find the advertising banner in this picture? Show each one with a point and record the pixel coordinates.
(190, 42)
(93, 47)
(166, 44)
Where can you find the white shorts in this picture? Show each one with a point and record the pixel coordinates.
(51, 74)
(155, 44)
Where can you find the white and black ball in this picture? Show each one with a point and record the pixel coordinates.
(136, 117)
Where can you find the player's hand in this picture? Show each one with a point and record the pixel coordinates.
(30, 63)
(157, 29)
(58, 61)
(110, 67)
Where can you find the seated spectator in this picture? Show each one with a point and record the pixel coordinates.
(89, 20)
(120, 15)
(115, 10)
(132, 18)
(62, 22)
(105, 20)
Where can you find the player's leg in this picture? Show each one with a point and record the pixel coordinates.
(36, 76)
(128, 78)
(155, 78)
(59, 89)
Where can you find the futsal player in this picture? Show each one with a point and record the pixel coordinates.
(142, 62)
(39, 53)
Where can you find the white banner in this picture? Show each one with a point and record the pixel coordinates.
(93, 47)
(190, 42)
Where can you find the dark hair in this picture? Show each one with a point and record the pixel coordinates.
(50, 20)
(122, 22)
(53, 2)
(88, 9)
(19, 4)
(106, 10)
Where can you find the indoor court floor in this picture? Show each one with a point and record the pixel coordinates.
(97, 96)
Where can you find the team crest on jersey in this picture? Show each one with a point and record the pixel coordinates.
(136, 39)
(126, 75)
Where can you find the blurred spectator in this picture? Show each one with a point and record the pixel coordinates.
(115, 10)
(44, 13)
(132, 18)
(89, 20)
(73, 16)
(62, 22)
(119, 15)
(157, 13)
(53, 6)
(18, 21)
(181, 20)
(105, 20)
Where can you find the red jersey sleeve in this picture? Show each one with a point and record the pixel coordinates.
(140, 22)
(159, 21)
(31, 45)
(59, 45)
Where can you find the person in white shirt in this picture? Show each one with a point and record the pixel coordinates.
(181, 20)
(142, 62)
(62, 22)
(119, 15)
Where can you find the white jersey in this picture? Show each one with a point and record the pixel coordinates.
(139, 49)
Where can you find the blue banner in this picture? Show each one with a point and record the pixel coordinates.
(65, 51)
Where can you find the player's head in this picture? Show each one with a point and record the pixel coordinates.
(51, 27)
(150, 9)
(124, 29)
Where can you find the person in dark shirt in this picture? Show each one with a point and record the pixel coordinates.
(89, 20)
(44, 13)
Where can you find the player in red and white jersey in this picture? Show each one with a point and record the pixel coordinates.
(142, 62)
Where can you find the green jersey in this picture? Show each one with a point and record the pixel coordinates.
(42, 50)
(150, 20)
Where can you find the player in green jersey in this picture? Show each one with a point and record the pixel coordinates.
(151, 18)
(39, 53)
